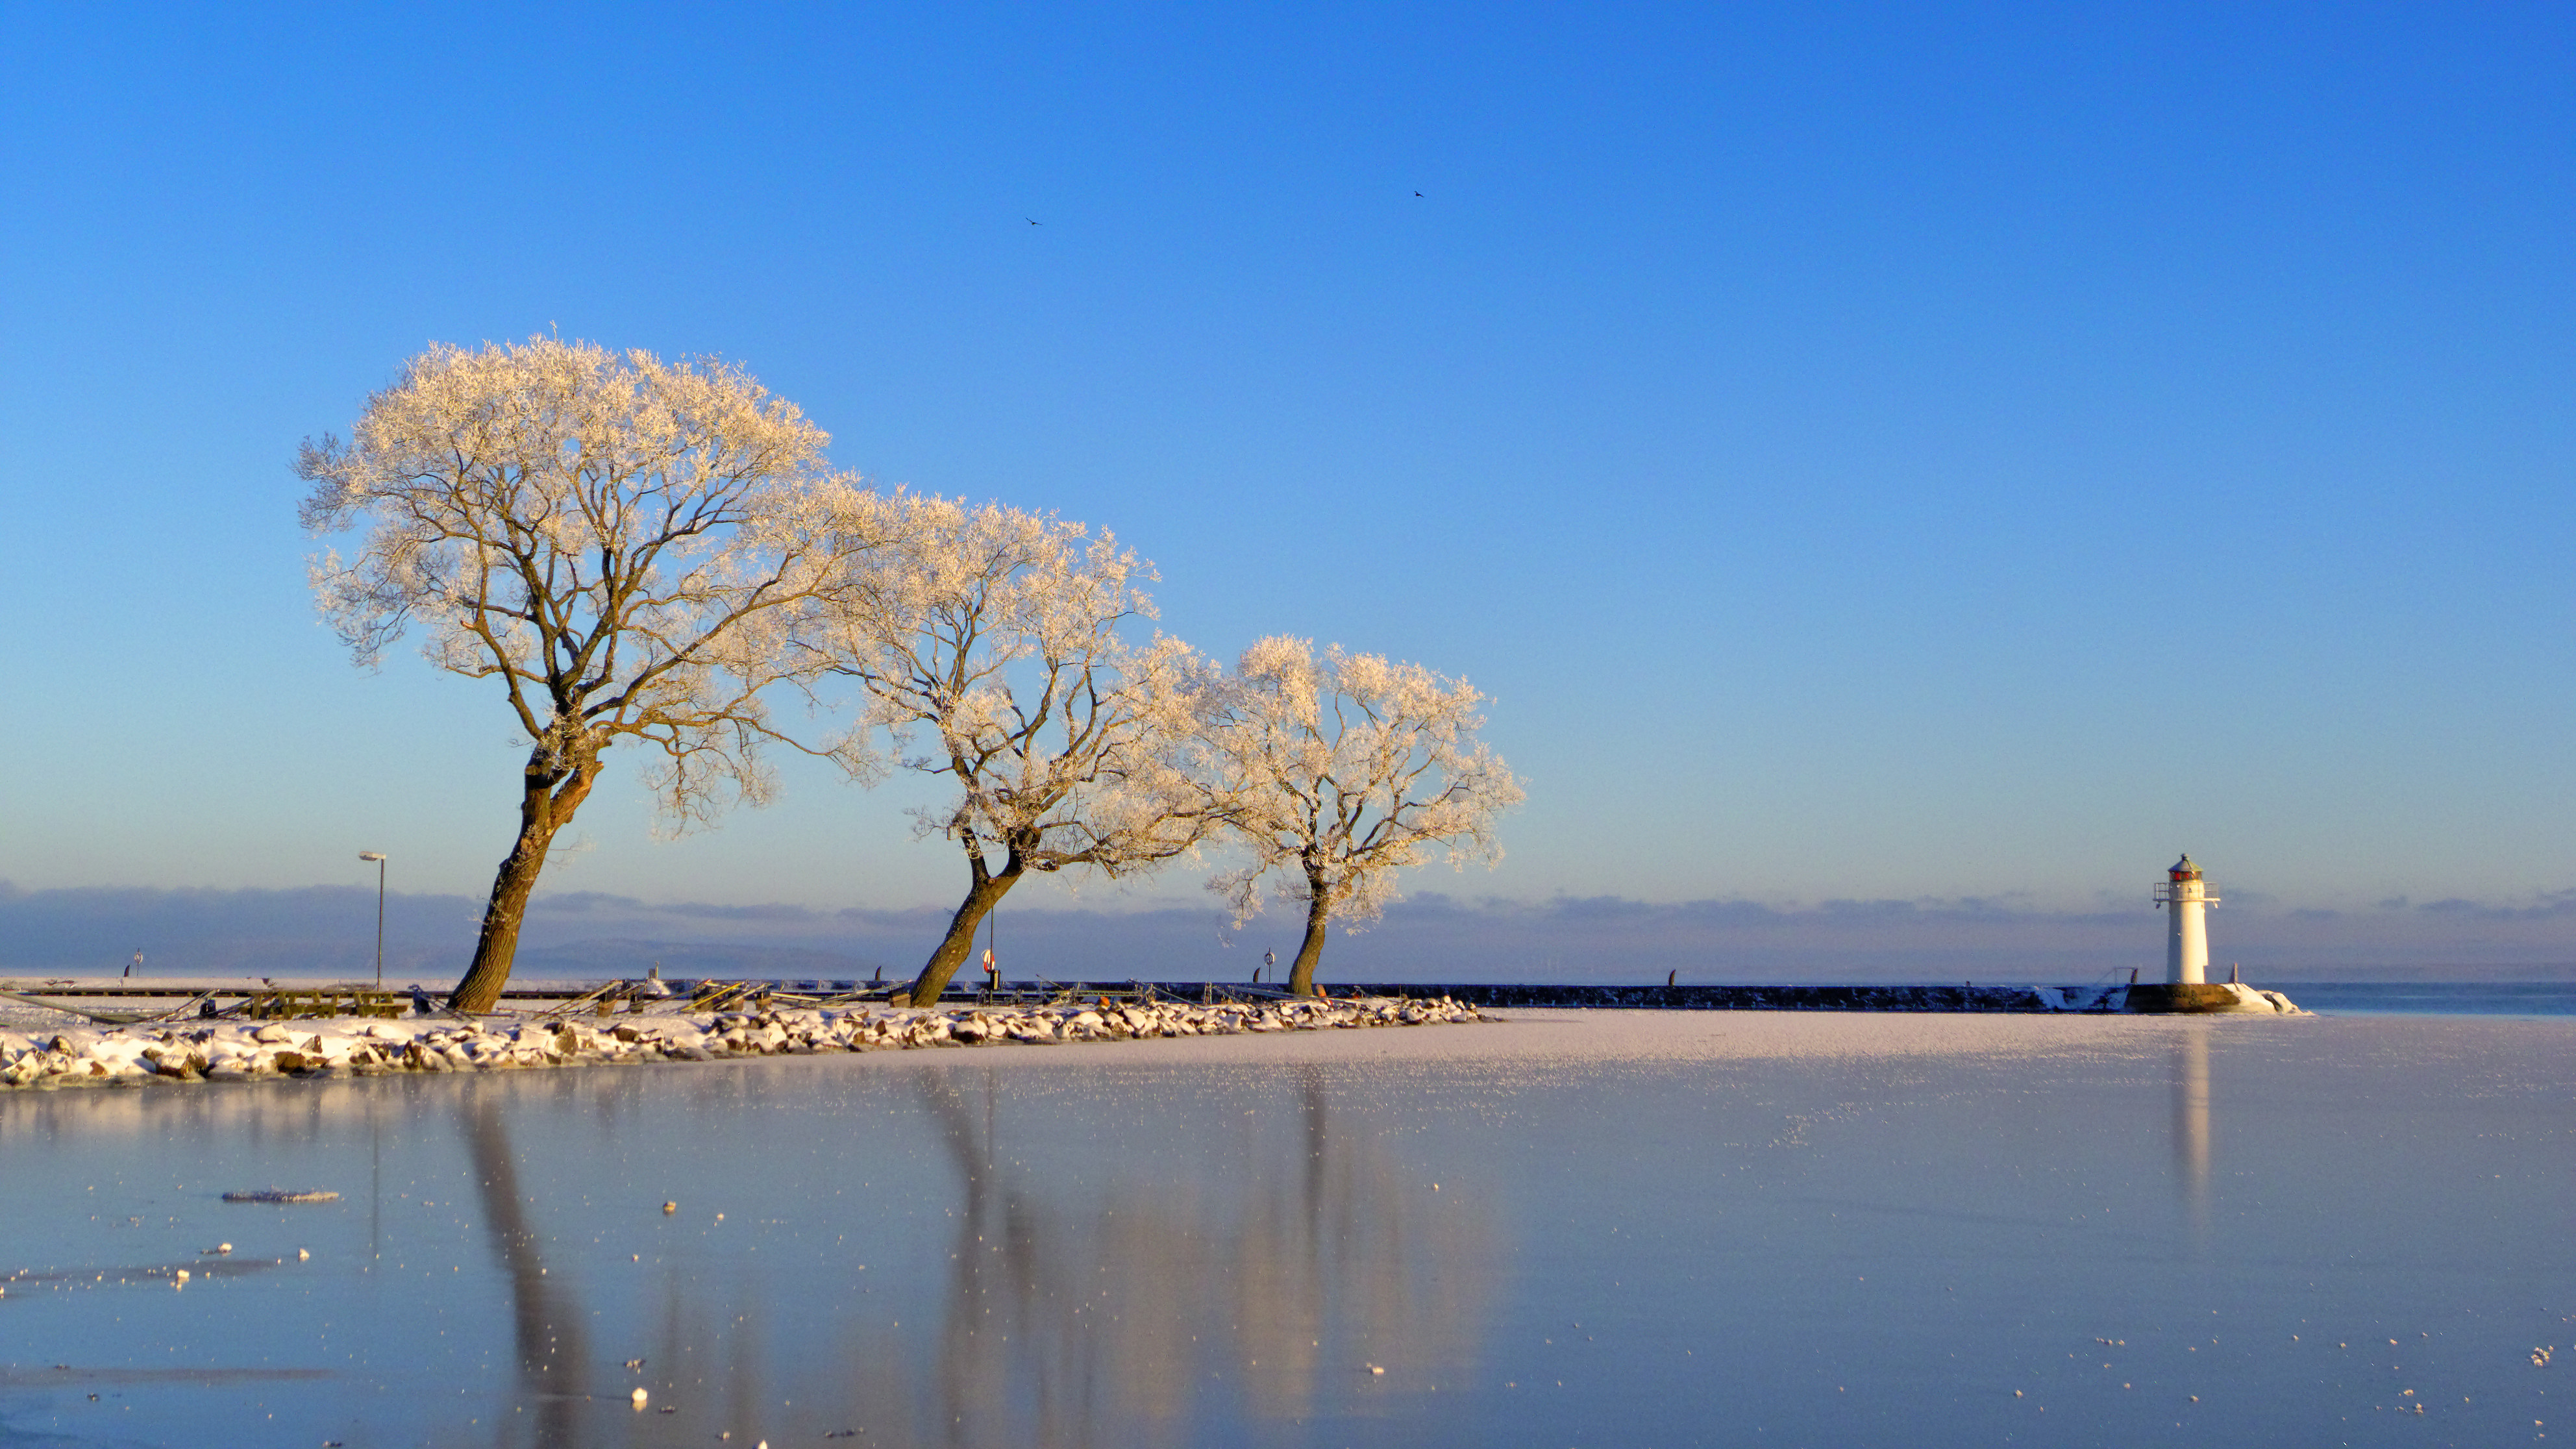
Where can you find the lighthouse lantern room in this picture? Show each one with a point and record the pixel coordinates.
(2185, 896)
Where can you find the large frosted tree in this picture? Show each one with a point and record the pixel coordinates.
(1336, 771)
(618, 541)
(994, 644)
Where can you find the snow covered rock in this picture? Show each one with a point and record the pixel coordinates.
(233, 1051)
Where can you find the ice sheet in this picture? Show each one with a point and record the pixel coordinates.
(1595, 1227)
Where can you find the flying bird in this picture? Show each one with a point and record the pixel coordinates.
(1033, 221)
(1417, 193)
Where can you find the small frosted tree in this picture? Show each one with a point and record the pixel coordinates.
(994, 638)
(619, 541)
(1337, 772)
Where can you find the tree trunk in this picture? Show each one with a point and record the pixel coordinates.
(982, 895)
(547, 804)
(1319, 909)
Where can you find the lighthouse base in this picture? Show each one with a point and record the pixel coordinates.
(2165, 998)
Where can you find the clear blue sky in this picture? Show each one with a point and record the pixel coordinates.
(1879, 452)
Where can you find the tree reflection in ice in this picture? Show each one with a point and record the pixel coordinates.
(1151, 1260)
(1110, 1322)
(545, 1317)
(1141, 1299)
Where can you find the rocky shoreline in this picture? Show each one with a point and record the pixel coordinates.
(240, 1051)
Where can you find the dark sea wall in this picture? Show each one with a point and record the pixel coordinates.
(1651, 998)
(2138, 1000)
(1765, 998)
(2053, 1000)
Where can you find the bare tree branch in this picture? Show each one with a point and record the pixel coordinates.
(1336, 773)
(619, 540)
(1000, 634)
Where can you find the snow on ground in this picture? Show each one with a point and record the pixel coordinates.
(1543, 1038)
(41, 1049)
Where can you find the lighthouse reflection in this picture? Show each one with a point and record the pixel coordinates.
(2191, 1125)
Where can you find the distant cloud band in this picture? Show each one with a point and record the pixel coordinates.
(329, 930)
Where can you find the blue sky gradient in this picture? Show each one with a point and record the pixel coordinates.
(1880, 453)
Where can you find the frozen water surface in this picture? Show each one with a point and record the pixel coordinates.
(1576, 1228)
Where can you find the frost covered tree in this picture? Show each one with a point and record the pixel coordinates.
(1340, 770)
(620, 542)
(995, 640)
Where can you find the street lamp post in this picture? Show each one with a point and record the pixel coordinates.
(378, 857)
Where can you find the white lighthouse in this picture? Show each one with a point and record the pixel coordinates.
(2185, 895)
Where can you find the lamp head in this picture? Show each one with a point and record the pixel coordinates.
(371, 855)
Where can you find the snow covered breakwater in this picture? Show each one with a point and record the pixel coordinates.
(235, 1051)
